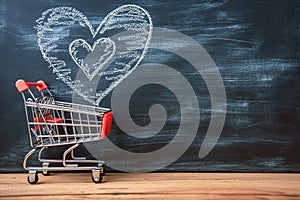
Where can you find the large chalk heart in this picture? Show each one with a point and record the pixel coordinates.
(106, 55)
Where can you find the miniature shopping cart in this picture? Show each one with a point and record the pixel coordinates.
(53, 123)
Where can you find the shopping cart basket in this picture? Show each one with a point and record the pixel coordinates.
(54, 123)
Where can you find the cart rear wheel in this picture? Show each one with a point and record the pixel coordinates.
(46, 173)
(97, 179)
(97, 176)
(32, 178)
(103, 171)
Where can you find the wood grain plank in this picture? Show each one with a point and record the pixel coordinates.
(153, 186)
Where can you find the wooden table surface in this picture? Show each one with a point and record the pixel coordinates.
(153, 186)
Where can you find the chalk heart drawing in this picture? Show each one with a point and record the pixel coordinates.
(106, 55)
(94, 58)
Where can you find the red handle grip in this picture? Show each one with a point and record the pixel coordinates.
(22, 85)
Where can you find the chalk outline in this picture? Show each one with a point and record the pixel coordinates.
(59, 66)
(87, 46)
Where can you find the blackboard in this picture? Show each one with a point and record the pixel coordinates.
(254, 44)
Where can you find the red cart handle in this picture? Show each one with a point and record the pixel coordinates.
(22, 85)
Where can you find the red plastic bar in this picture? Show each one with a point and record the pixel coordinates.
(22, 85)
(107, 123)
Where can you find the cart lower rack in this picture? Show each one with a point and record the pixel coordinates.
(53, 123)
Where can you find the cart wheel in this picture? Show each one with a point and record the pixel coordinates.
(97, 176)
(103, 171)
(46, 173)
(32, 177)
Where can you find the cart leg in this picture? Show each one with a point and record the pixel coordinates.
(97, 176)
(45, 172)
(76, 158)
(27, 157)
(65, 156)
(32, 177)
(40, 154)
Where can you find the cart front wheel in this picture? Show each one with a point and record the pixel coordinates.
(32, 178)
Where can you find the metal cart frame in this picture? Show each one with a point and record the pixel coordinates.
(53, 123)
